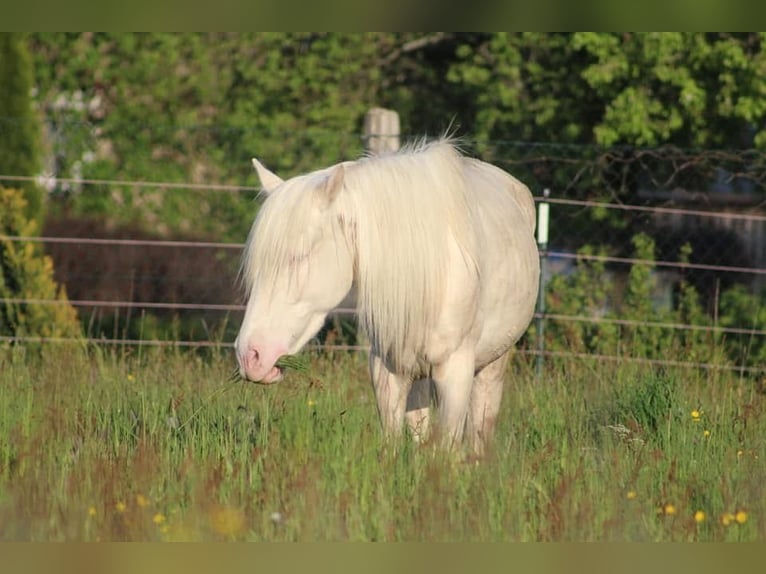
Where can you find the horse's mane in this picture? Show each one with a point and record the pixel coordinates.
(399, 212)
(405, 206)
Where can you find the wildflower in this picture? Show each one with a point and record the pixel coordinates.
(120, 507)
(91, 511)
(727, 518)
(131, 378)
(276, 517)
(228, 521)
(740, 517)
(696, 415)
(740, 453)
(631, 494)
(669, 509)
(158, 519)
(706, 434)
(699, 516)
(311, 403)
(142, 501)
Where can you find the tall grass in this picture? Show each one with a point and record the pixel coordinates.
(158, 445)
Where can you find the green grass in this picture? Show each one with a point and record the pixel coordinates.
(160, 445)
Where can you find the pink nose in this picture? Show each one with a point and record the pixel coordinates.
(252, 360)
(258, 364)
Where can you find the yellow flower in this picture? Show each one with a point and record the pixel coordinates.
(120, 507)
(740, 517)
(727, 518)
(311, 403)
(699, 516)
(158, 519)
(228, 521)
(131, 378)
(669, 509)
(706, 434)
(696, 415)
(91, 511)
(631, 494)
(142, 501)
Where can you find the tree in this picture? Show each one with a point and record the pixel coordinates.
(196, 107)
(641, 89)
(19, 124)
(26, 274)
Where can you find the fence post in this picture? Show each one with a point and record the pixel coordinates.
(381, 131)
(543, 212)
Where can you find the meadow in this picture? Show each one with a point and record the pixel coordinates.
(105, 444)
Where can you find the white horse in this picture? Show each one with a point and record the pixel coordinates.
(441, 250)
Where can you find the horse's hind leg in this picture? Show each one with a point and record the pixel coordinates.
(391, 395)
(486, 395)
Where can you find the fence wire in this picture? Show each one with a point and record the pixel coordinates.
(704, 211)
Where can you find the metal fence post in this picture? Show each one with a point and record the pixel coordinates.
(543, 212)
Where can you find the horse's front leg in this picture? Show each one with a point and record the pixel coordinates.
(454, 379)
(391, 392)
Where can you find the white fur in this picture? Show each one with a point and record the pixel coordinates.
(441, 250)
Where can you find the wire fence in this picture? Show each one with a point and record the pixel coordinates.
(128, 284)
(77, 272)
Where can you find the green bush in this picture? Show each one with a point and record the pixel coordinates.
(27, 274)
(740, 308)
(633, 327)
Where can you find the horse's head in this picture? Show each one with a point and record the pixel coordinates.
(297, 267)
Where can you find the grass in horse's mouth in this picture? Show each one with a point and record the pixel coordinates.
(285, 362)
(294, 362)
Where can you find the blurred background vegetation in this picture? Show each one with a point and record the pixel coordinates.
(195, 108)
(602, 116)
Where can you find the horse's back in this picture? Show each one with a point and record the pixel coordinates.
(494, 178)
(509, 261)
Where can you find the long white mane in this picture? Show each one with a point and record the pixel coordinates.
(405, 207)
(399, 213)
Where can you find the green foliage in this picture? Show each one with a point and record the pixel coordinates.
(196, 107)
(642, 89)
(629, 321)
(645, 403)
(581, 294)
(738, 308)
(637, 304)
(524, 87)
(27, 274)
(697, 345)
(19, 124)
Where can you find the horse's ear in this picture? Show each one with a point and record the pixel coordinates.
(334, 184)
(269, 180)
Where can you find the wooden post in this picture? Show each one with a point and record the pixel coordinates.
(381, 135)
(381, 131)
